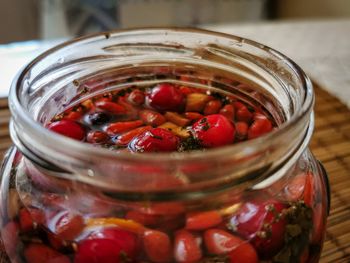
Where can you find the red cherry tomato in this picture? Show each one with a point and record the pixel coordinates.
(30, 218)
(244, 253)
(185, 90)
(136, 97)
(212, 107)
(111, 245)
(68, 128)
(67, 225)
(157, 246)
(228, 111)
(258, 222)
(214, 130)
(186, 247)
(202, 220)
(9, 236)
(166, 97)
(259, 127)
(142, 218)
(39, 253)
(297, 186)
(218, 242)
(241, 130)
(56, 242)
(73, 115)
(242, 112)
(100, 250)
(155, 140)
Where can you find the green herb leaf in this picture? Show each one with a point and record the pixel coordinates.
(216, 259)
(190, 144)
(296, 238)
(293, 230)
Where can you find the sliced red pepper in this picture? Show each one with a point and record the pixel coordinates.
(125, 138)
(111, 107)
(202, 220)
(119, 127)
(220, 242)
(186, 247)
(152, 118)
(158, 246)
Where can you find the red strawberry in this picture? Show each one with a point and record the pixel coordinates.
(214, 130)
(263, 224)
(68, 128)
(155, 140)
(38, 253)
(166, 97)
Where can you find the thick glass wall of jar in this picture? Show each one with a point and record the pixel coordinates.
(162, 145)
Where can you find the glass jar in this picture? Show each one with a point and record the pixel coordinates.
(262, 200)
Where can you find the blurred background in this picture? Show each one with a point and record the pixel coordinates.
(48, 19)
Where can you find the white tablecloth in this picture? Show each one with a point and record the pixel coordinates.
(322, 48)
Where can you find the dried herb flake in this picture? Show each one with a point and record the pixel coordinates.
(296, 238)
(190, 144)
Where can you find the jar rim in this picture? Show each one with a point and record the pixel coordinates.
(23, 116)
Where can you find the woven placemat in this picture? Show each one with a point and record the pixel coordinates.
(330, 144)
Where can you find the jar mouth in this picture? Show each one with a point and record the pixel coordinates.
(23, 119)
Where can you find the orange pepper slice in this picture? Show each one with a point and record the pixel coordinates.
(125, 224)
